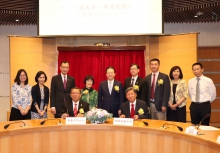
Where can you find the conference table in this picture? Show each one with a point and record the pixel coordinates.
(104, 138)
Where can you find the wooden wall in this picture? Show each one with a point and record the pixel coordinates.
(33, 55)
(175, 50)
(210, 58)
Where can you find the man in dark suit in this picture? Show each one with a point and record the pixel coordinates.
(156, 91)
(60, 89)
(134, 81)
(134, 108)
(74, 107)
(111, 93)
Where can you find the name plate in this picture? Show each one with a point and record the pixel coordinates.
(75, 120)
(123, 121)
(191, 130)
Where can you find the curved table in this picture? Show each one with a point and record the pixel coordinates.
(104, 138)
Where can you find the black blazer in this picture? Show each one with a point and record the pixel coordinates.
(125, 109)
(57, 91)
(36, 96)
(67, 107)
(138, 82)
(161, 94)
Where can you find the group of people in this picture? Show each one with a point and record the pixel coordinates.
(157, 96)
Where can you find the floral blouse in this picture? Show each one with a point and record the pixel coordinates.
(181, 91)
(90, 96)
(21, 96)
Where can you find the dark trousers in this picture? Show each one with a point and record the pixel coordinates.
(178, 115)
(198, 111)
(16, 115)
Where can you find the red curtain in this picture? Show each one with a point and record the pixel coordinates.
(94, 63)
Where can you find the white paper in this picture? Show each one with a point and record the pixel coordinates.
(191, 130)
(208, 128)
(218, 139)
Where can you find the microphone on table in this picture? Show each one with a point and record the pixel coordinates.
(180, 128)
(7, 125)
(145, 123)
(207, 116)
(42, 122)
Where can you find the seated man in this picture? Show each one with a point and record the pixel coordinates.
(134, 108)
(76, 107)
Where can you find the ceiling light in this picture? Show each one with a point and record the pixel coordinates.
(17, 20)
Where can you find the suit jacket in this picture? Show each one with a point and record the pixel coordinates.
(67, 107)
(138, 82)
(36, 96)
(125, 109)
(110, 103)
(58, 93)
(161, 93)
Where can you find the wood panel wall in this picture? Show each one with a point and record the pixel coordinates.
(33, 55)
(175, 50)
(210, 58)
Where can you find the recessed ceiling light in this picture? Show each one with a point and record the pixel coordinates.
(17, 20)
(199, 13)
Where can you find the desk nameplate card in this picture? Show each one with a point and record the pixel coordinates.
(123, 121)
(75, 120)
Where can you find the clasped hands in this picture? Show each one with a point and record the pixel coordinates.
(24, 112)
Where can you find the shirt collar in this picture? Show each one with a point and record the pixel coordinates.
(111, 81)
(63, 75)
(133, 102)
(75, 102)
(135, 78)
(157, 73)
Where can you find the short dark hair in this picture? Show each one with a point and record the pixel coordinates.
(39, 74)
(129, 89)
(89, 77)
(173, 69)
(110, 67)
(75, 88)
(155, 59)
(200, 64)
(17, 78)
(64, 61)
(136, 65)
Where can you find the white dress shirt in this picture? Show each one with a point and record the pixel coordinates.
(134, 105)
(207, 89)
(77, 104)
(63, 77)
(135, 79)
(152, 77)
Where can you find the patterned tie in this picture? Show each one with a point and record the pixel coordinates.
(110, 87)
(64, 82)
(132, 111)
(152, 88)
(197, 90)
(132, 83)
(75, 110)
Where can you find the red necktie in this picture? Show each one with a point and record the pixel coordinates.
(152, 88)
(75, 110)
(132, 111)
(64, 82)
(132, 83)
